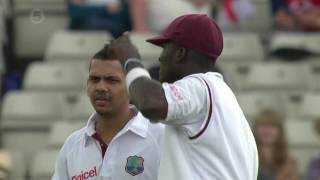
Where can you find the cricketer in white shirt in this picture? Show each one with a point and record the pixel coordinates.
(133, 154)
(211, 143)
(207, 136)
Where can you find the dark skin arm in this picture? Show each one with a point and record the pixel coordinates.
(146, 94)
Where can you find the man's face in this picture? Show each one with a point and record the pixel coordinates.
(168, 72)
(267, 134)
(106, 87)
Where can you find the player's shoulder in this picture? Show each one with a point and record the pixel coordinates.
(74, 139)
(206, 76)
(199, 78)
(154, 130)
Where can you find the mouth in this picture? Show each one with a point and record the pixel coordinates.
(102, 100)
(102, 103)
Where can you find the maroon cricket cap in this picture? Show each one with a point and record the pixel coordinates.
(194, 31)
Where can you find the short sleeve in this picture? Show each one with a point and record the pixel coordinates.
(187, 101)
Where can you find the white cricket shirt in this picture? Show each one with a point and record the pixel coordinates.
(207, 137)
(133, 154)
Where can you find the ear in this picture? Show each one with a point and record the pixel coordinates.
(181, 53)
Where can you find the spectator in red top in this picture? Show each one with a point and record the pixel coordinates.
(300, 15)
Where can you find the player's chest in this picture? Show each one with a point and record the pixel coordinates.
(126, 162)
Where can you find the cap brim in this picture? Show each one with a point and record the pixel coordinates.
(158, 40)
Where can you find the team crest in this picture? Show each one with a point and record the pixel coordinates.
(134, 165)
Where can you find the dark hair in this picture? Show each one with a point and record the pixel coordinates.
(280, 148)
(105, 54)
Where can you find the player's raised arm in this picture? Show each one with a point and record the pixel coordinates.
(147, 94)
(178, 99)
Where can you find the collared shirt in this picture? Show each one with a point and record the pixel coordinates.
(134, 153)
(207, 136)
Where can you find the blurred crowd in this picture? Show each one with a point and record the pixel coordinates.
(117, 16)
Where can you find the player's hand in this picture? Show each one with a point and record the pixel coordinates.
(124, 49)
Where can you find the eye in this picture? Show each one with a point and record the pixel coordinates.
(113, 80)
(94, 79)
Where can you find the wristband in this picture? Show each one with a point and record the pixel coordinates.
(136, 73)
(132, 63)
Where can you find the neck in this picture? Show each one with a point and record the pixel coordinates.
(108, 127)
(189, 69)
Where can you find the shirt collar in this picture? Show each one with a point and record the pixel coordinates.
(90, 128)
(138, 125)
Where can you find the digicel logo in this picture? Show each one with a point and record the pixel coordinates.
(86, 175)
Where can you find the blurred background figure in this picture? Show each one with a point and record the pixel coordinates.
(233, 12)
(109, 15)
(301, 15)
(5, 165)
(275, 162)
(313, 172)
(155, 15)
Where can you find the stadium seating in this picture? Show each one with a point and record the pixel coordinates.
(25, 120)
(47, 5)
(306, 41)
(5, 12)
(2, 65)
(55, 77)
(60, 131)
(5, 7)
(277, 77)
(35, 122)
(33, 24)
(262, 20)
(75, 45)
(27, 141)
(19, 168)
(301, 133)
(43, 164)
(314, 80)
(302, 105)
(234, 74)
(76, 106)
(292, 103)
(252, 103)
(241, 48)
(149, 53)
(309, 108)
(29, 109)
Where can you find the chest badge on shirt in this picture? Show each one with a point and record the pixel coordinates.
(134, 165)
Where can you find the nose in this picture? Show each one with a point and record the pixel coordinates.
(102, 86)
